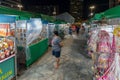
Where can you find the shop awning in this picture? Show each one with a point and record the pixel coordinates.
(48, 18)
(60, 22)
(22, 14)
(98, 16)
(112, 13)
(66, 17)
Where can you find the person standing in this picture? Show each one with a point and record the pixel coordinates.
(82, 29)
(77, 30)
(56, 47)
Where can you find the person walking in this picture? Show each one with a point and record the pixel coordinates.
(77, 30)
(70, 30)
(56, 48)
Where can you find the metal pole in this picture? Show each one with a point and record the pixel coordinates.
(15, 53)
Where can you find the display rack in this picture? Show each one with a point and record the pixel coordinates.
(8, 68)
(102, 50)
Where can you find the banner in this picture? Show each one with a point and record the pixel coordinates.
(7, 69)
(5, 30)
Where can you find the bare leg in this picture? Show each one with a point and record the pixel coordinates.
(57, 63)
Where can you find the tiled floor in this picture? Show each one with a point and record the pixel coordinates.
(74, 64)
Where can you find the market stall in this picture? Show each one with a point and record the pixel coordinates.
(45, 28)
(39, 43)
(61, 27)
(7, 47)
(101, 49)
(47, 18)
(104, 46)
(29, 47)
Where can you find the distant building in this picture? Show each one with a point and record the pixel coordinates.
(44, 9)
(76, 9)
(113, 3)
(12, 3)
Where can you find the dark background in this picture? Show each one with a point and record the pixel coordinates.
(64, 5)
(100, 6)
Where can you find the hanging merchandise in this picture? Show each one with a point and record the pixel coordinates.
(117, 38)
(113, 72)
(101, 46)
(103, 50)
(93, 38)
(116, 31)
(103, 42)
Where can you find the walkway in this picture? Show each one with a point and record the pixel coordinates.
(75, 64)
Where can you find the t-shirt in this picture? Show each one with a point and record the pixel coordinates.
(56, 44)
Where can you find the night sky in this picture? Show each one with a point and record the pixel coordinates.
(101, 5)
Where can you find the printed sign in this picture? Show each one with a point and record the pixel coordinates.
(5, 30)
(7, 69)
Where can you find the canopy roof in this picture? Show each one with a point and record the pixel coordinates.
(98, 16)
(113, 12)
(66, 17)
(60, 22)
(24, 15)
(48, 18)
(108, 14)
(21, 14)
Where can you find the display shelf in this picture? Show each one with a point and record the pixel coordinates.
(7, 58)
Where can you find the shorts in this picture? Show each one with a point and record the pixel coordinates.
(56, 53)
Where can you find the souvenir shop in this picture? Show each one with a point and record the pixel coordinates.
(8, 69)
(104, 48)
(30, 47)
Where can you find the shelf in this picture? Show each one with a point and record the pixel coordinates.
(7, 58)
